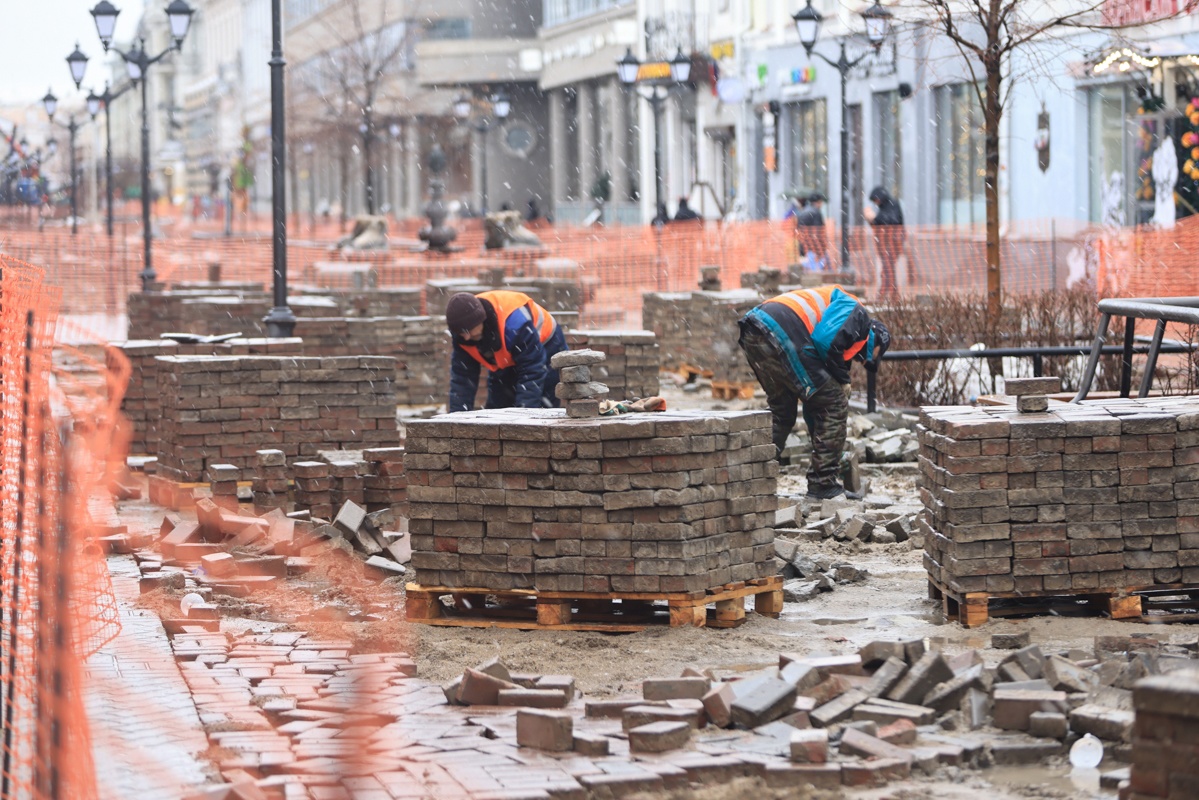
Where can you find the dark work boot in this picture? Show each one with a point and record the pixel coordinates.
(825, 492)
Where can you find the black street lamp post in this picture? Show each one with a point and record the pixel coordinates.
(50, 102)
(878, 27)
(627, 70)
(138, 63)
(95, 102)
(482, 114)
(280, 320)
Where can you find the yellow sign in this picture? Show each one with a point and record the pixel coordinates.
(721, 50)
(654, 71)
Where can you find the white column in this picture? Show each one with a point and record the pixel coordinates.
(412, 174)
(558, 166)
(585, 124)
(618, 127)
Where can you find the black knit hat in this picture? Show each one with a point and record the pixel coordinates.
(464, 312)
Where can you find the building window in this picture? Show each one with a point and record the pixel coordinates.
(888, 142)
(557, 12)
(447, 28)
(808, 123)
(961, 167)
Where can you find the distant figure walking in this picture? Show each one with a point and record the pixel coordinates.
(685, 212)
(886, 218)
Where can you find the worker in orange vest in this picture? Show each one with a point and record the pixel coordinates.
(801, 345)
(510, 336)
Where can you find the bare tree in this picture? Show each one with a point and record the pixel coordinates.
(987, 33)
(371, 43)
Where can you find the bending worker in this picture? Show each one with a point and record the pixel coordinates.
(801, 345)
(511, 337)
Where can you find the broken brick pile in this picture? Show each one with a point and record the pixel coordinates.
(524, 499)
(699, 329)
(223, 409)
(1101, 495)
(141, 403)
(631, 367)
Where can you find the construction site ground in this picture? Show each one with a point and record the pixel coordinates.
(891, 603)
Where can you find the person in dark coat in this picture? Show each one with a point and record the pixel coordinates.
(809, 228)
(510, 336)
(662, 217)
(685, 212)
(887, 222)
(800, 346)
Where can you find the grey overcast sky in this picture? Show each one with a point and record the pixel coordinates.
(36, 36)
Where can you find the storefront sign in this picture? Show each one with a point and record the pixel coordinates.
(722, 50)
(800, 75)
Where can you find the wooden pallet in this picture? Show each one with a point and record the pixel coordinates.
(610, 612)
(972, 609)
(733, 390)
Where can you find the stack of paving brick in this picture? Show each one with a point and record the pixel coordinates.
(222, 480)
(313, 488)
(386, 485)
(270, 484)
(1101, 495)
(141, 403)
(631, 367)
(219, 409)
(580, 395)
(700, 329)
(1165, 738)
(523, 499)
(348, 484)
(421, 348)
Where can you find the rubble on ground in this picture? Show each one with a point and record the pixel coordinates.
(884, 712)
(878, 438)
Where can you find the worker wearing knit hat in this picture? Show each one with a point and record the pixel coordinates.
(510, 336)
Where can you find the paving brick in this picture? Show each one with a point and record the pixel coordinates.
(545, 730)
(675, 688)
(481, 689)
(809, 746)
(658, 737)
(925, 674)
(762, 700)
(1013, 707)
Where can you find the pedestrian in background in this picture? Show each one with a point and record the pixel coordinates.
(810, 233)
(886, 218)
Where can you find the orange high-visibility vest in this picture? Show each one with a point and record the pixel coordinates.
(505, 304)
(810, 304)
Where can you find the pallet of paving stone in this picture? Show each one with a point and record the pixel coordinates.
(612, 612)
(972, 609)
(733, 390)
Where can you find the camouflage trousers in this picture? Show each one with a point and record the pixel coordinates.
(825, 411)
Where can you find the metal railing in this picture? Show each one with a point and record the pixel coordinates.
(1183, 310)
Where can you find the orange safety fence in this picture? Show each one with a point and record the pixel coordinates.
(616, 264)
(55, 445)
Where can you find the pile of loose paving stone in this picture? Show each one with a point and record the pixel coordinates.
(876, 519)
(861, 719)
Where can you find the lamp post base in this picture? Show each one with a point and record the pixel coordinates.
(280, 322)
(149, 279)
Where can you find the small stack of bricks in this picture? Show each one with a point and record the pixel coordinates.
(631, 369)
(1099, 495)
(579, 394)
(222, 480)
(1032, 394)
(532, 499)
(313, 488)
(1165, 738)
(270, 484)
(386, 485)
(223, 409)
(348, 483)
